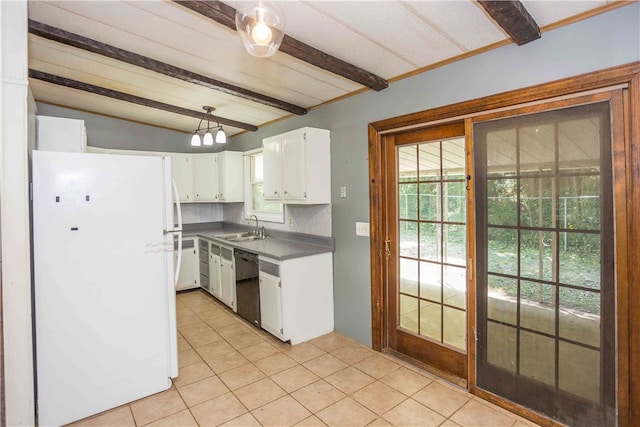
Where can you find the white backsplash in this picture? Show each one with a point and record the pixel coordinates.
(309, 219)
(201, 212)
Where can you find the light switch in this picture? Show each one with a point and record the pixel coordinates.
(343, 192)
(362, 229)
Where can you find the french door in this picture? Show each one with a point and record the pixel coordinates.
(544, 200)
(552, 241)
(427, 318)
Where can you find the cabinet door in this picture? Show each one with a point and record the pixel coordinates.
(227, 278)
(205, 177)
(182, 172)
(271, 304)
(230, 176)
(272, 164)
(294, 166)
(187, 278)
(214, 275)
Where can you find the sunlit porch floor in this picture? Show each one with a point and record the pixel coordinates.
(233, 374)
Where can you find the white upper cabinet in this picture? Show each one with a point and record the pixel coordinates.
(218, 177)
(297, 167)
(205, 177)
(59, 134)
(272, 167)
(182, 169)
(230, 177)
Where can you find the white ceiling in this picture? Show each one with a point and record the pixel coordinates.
(387, 38)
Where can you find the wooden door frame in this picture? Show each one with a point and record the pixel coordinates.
(627, 219)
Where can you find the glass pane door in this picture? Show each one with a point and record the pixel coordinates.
(432, 234)
(427, 279)
(545, 279)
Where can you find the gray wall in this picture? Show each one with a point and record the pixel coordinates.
(600, 42)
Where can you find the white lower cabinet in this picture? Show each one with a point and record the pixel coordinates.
(218, 270)
(296, 297)
(227, 278)
(271, 304)
(214, 271)
(188, 276)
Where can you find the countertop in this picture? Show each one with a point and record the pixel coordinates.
(278, 246)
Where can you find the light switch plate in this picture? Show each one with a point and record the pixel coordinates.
(362, 229)
(343, 191)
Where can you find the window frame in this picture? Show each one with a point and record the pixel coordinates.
(248, 193)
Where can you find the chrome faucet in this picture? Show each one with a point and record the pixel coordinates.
(256, 231)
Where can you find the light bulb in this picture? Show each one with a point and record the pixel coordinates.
(195, 140)
(261, 33)
(261, 27)
(208, 138)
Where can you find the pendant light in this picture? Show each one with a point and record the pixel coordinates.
(261, 28)
(221, 136)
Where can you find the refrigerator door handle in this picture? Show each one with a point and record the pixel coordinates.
(178, 229)
(178, 207)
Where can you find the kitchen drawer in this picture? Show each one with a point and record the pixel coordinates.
(204, 269)
(186, 244)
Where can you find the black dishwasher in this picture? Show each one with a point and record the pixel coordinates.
(247, 286)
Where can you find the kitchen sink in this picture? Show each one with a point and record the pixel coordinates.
(238, 237)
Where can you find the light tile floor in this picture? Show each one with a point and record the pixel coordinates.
(233, 374)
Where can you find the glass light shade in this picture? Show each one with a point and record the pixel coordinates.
(195, 140)
(221, 137)
(261, 28)
(208, 138)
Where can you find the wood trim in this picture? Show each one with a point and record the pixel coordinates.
(471, 257)
(517, 409)
(376, 208)
(563, 87)
(633, 240)
(629, 74)
(513, 18)
(71, 39)
(620, 180)
(225, 15)
(121, 96)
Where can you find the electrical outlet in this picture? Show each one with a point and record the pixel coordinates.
(362, 228)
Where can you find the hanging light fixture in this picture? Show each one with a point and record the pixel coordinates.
(261, 28)
(207, 139)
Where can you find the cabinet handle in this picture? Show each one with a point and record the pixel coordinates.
(275, 192)
(286, 192)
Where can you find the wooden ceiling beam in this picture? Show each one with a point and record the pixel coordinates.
(514, 19)
(121, 96)
(80, 42)
(225, 15)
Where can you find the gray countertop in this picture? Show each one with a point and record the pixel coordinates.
(279, 246)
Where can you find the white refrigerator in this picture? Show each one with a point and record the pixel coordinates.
(105, 308)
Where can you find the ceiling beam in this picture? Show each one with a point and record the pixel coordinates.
(80, 42)
(121, 96)
(225, 15)
(514, 19)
